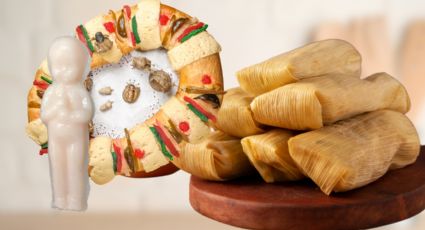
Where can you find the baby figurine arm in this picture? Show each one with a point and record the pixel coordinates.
(82, 107)
(52, 104)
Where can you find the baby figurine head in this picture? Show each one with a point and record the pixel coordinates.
(69, 60)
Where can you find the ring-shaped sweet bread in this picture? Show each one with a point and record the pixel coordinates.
(187, 117)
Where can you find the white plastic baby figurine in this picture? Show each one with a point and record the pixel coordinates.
(66, 110)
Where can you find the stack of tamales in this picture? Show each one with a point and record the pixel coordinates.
(307, 113)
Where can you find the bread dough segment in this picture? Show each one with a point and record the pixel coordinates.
(37, 131)
(147, 18)
(178, 112)
(96, 25)
(44, 67)
(144, 139)
(195, 48)
(101, 160)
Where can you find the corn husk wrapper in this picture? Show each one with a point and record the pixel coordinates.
(269, 154)
(315, 59)
(235, 115)
(357, 151)
(219, 157)
(311, 103)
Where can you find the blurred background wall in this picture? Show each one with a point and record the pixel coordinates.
(389, 33)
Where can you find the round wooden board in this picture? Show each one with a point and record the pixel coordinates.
(251, 203)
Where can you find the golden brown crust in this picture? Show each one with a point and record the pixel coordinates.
(33, 114)
(193, 74)
(34, 101)
(172, 15)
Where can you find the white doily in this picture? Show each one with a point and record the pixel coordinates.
(123, 115)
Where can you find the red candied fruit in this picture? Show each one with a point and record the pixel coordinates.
(206, 79)
(163, 19)
(139, 154)
(110, 27)
(184, 126)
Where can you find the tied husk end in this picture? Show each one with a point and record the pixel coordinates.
(269, 154)
(235, 115)
(219, 157)
(290, 107)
